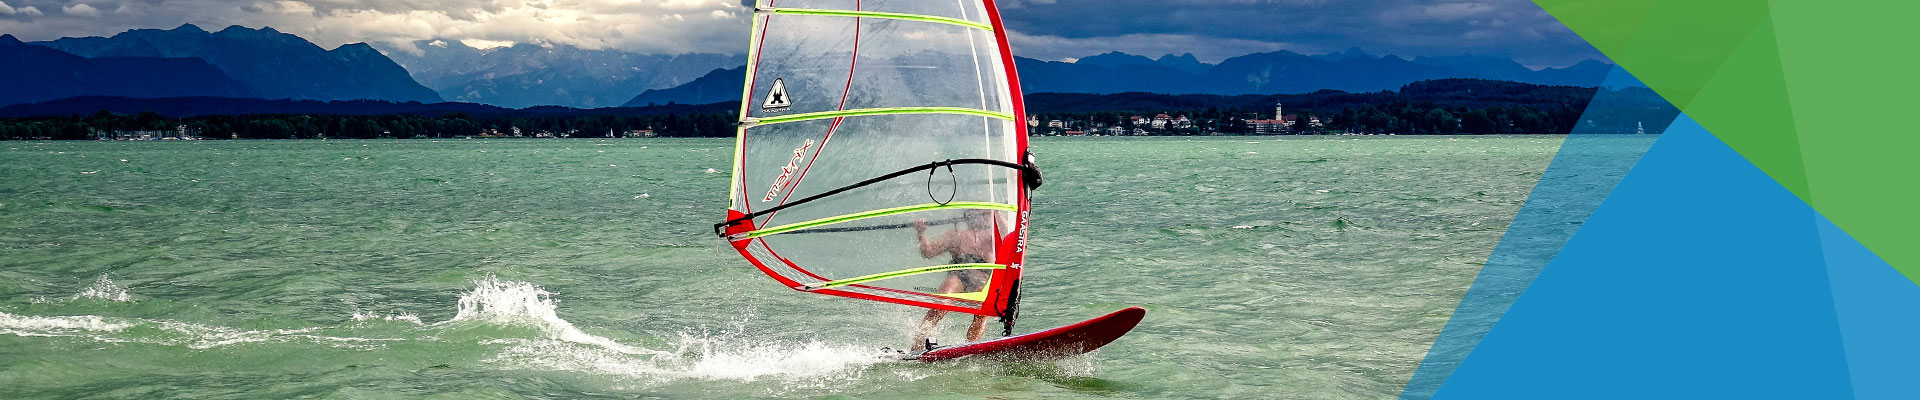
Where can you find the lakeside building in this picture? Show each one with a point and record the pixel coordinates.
(180, 132)
(1280, 124)
(1314, 121)
(1267, 126)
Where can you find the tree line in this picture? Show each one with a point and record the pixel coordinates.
(1401, 118)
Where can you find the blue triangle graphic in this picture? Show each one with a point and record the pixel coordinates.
(1875, 305)
(1698, 277)
(1585, 169)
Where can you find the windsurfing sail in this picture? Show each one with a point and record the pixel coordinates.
(861, 117)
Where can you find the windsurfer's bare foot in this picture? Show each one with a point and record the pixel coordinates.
(925, 330)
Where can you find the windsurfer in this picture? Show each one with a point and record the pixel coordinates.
(967, 245)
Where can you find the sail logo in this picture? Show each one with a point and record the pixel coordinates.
(786, 172)
(1021, 245)
(777, 99)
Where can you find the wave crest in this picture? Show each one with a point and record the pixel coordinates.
(519, 303)
(105, 289)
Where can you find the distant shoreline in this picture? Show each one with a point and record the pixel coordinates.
(1436, 107)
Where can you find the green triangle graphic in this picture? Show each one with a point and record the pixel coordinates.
(1747, 97)
(1850, 75)
(1816, 94)
(1679, 50)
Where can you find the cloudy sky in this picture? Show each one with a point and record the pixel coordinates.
(1046, 29)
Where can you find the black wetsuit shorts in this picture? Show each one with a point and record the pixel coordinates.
(971, 280)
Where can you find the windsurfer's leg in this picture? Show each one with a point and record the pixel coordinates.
(925, 330)
(979, 328)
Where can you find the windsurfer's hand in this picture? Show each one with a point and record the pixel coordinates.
(920, 225)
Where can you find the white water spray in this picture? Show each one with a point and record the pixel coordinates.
(519, 303)
(105, 289)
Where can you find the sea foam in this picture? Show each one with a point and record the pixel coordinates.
(157, 331)
(729, 355)
(27, 325)
(104, 288)
(732, 353)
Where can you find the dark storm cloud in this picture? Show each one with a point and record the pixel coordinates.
(1218, 28)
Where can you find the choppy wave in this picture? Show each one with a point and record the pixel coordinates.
(519, 303)
(104, 288)
(159, 331)
(714, 360)
(405, 317)
(26, 325)
(555, 344)
(730, 354)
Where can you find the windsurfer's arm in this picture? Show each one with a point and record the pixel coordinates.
(928, 249)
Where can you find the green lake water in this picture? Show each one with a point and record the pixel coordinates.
(1295, 267)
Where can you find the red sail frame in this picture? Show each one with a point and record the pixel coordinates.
(1004, 279)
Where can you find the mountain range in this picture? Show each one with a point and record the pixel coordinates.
(716, 86)
(276, 65)
(1282, 72)
(526, 75)
(33, 73)
(264, 63)
(1260, 73)
(1449, 93)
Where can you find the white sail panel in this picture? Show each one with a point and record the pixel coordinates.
(962, 10)
(791, 161)
(895, 63)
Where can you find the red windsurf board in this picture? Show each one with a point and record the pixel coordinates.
(1064, 341)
